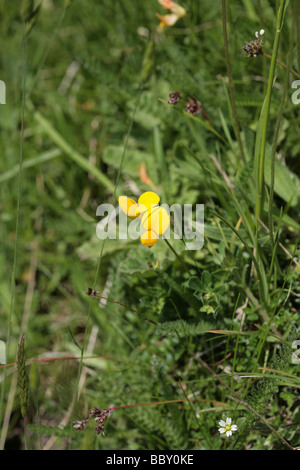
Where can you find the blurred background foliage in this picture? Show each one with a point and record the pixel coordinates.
(84, 65)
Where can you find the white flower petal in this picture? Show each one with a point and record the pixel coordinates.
(228, 420)
(234, 427)
(262, 31)
(221, 430)
(228, 433)
(256, 34)
(222, 423)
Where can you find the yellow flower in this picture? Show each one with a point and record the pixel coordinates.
(149, 238)
(167, 4)
(174, 7)
(167, 20)
(154, 219)
(148, 199)
(177, 12)
(129, 207)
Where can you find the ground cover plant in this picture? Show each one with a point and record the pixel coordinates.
(149, 343)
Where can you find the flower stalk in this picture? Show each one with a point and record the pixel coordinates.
(22, 379)
(100, 415)
(266, 111)
(230, 82)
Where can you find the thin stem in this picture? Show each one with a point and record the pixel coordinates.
(230, 82)
(296, 6)
(103, 242)
(13, 279)
(100, 296)
(173, 251)
(265, 54)
(260, 176)
(180, 400)
(258, 266)
(260, 164)
(272, 183)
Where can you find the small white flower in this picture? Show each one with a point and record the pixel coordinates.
(227, 427)
(261, 33)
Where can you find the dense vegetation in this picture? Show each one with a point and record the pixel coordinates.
(212, 331)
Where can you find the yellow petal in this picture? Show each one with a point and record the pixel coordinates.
(167, 20)
(126, 204)
(134, 211)
(157, 220)
(167, 4)
(149, 199)
(149, 238)
(178, 10)
(174, 7)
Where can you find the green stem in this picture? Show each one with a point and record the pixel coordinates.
(174, 252)
(13, 278)
(265, 54)
(296, 13)
(260, 180)
(230, 82)
(100, 296)
(263, 287)
(274, 243)
(260, 176)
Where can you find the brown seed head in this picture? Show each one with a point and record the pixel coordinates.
(174, 98)
(80, 425)
(253, 48)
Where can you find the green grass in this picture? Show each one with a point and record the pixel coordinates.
(178, 339)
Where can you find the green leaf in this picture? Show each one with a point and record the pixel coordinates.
(112, 156)
(287, 184)
(180, 328)
(194, 283)
(206, 280)
(137, 261)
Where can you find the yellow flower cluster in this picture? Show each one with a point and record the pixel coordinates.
(154, 219)
(176, 12)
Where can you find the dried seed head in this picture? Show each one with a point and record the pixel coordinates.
(89, 291)
(80, 425)
(174, 98)
(253, 48)
(95, 412)
(193, 107)
(98, 429)
(93, 293)
(100, 417)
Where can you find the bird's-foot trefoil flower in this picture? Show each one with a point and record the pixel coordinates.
(154, 219)
(227, 427)
(177, 12)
